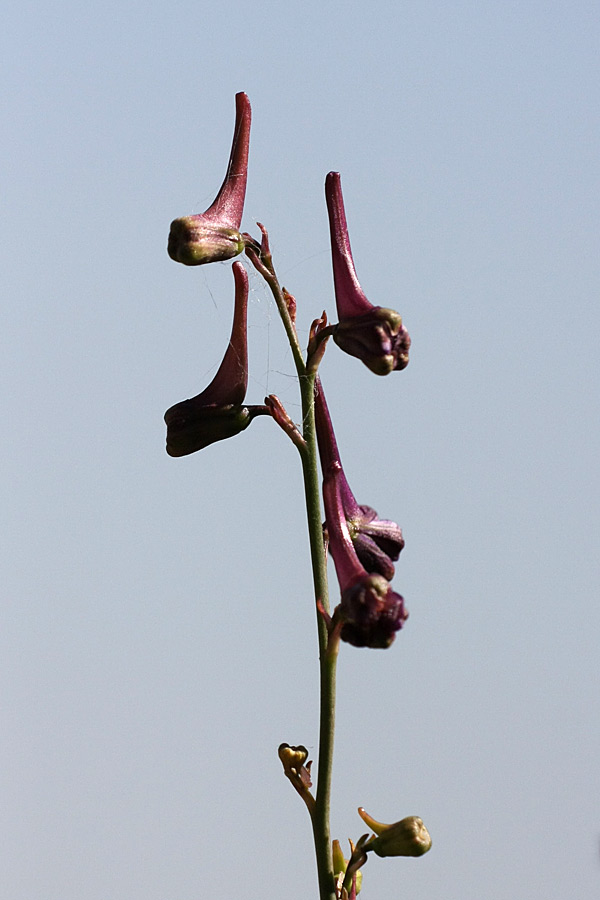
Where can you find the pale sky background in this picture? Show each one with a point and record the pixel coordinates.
(158, 636)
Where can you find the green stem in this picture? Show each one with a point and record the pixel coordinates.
(327, 654)
(327, 657)
(265, 267)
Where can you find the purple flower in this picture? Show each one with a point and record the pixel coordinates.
(374, 334)
(217, 413)
(377, 542)
(215, 234)
(370, 610)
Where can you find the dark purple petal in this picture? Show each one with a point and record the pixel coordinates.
(372, 557)
(378, 542)
(350, 297)
(231, 381)
(228, 206)
(372, 612)
(191, 427)
(347, 564)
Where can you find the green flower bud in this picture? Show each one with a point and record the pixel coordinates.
(408, 837)
(214, 235)
(340, 865)
(192, 427)
(292, 758)
(195, 240)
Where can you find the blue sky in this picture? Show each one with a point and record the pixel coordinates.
(158, 638)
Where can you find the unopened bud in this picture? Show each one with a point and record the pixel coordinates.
(292, 757)
(214, 235)
(191, 426)
(195, 240)
(373, 334)
(340, 864)
(408, 837)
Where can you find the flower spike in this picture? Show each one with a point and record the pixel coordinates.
(215, 235)
(217, 413)
(374, 334)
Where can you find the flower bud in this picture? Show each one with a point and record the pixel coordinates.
(340, 864)
(217, 413)
(215, 235)
(373, 334)
(408, 837)
(372, 612)
(192, 426)
(195, 240)
(297, 769)
(292, 758)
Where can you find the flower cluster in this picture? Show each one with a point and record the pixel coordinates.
(364, 548)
